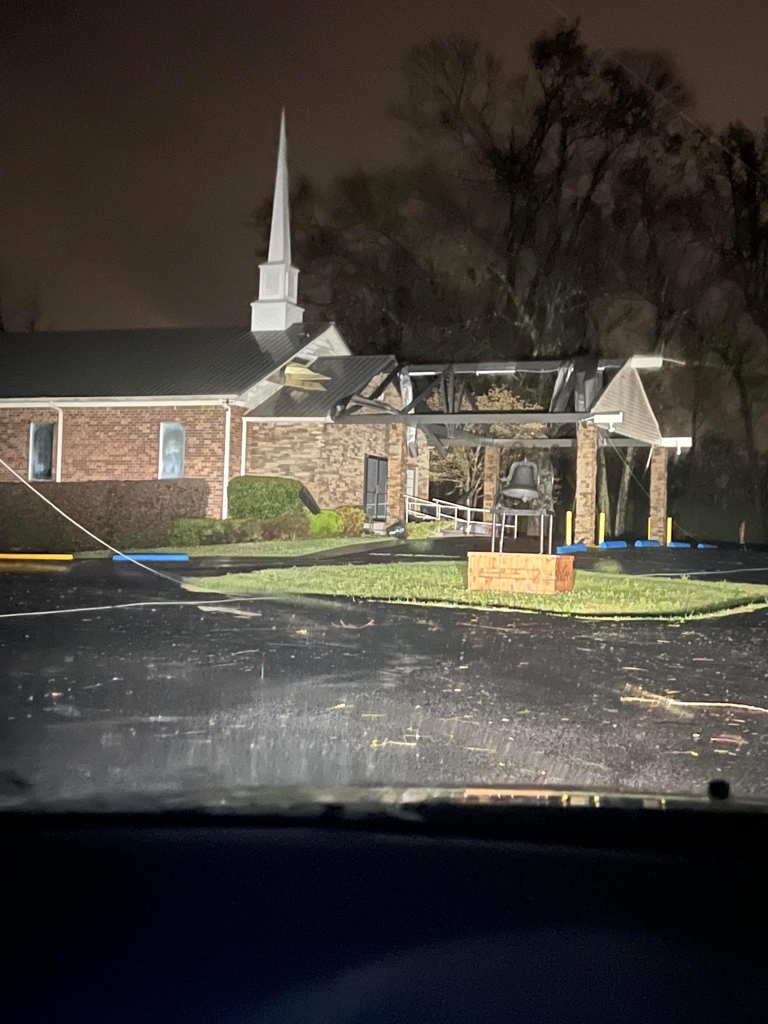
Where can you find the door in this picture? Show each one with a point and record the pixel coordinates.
(375, 488)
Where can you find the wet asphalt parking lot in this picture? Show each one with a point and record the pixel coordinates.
(177, 691)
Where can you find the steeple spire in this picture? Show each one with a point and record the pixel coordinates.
(276, 307)
(280, 232)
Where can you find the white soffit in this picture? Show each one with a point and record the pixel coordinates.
(626, 392)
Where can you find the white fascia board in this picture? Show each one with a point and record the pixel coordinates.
(106, 403)
(329, 343)
(646, 362)
(286, 419)
(677, 442)
(605, 419)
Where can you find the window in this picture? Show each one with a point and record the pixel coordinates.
(41, 451)
(172, 437)
(410, 483)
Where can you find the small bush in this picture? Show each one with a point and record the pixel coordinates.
(264, 497)
(191, 532)
(352, 520)
(286, 527)
(241, 531)
(325, 524)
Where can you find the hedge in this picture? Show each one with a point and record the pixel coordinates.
(264, 497)
(286, 527)
(129, 514)
(190, 533)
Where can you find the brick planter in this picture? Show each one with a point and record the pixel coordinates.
(519, 573)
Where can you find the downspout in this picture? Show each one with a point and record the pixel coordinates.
(243, 442)
(59, 440)
(225, 482)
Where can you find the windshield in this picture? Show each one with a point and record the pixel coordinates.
(346, 447)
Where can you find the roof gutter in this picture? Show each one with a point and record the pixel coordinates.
(108, 403)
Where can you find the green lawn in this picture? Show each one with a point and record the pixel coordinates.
(445, 583)
(256, 549)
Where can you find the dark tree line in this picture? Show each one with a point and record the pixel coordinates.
(573, 208)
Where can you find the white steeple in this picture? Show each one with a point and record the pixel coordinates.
(276, 307)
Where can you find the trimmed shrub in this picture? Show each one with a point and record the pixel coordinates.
(325, 524)
(129, 514)
(240, 531)
(264, 497)
(286, 527)
(188, 533)
(193, 532)
(352, 520)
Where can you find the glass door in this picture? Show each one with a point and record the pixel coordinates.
(375, 488)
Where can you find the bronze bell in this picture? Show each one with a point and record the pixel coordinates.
(522, 481)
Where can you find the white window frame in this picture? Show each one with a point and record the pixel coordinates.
(415, 492)
(171, 423)
(32, 426)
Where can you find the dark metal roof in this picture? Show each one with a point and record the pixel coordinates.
(145, 363)
(348, 376)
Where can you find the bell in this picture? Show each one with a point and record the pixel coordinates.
(521, 481)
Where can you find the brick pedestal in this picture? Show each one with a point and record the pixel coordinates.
(658, 492)
(519, 573)
(586, 484)
(491, 473)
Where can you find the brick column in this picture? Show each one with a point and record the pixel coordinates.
(586, 483)
(491, 473)
(658, 490)
(397, 454)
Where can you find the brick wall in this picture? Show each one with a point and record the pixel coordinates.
(14, 439)
(396, 476)
(329, 458)
(120, 443)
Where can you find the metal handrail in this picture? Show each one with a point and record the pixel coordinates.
(446, 511)
(413, 499)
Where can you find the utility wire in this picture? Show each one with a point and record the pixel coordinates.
(659, 95)
(156, 572)
(128, 604)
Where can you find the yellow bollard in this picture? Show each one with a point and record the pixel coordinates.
(601, 528)
(650, 528)
(669, 529)
(569, 527)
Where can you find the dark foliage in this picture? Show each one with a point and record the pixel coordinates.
(128, 514)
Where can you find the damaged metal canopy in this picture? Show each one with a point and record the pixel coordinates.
(626, 392)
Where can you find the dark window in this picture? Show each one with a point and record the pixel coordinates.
(375, 487)
(41, 452)
(171, 451)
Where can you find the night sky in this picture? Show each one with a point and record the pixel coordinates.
(137, 137)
